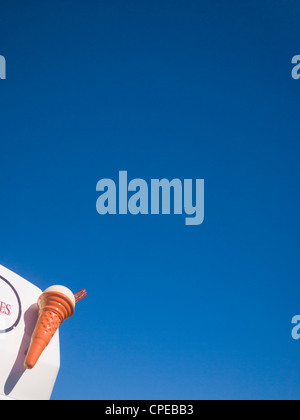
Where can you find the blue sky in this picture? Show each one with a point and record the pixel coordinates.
(161, 89)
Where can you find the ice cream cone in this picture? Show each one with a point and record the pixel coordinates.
(55, 305)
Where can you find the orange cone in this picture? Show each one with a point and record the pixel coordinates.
(55, 305)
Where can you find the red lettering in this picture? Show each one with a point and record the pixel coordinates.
(2, 307)
(5, 309)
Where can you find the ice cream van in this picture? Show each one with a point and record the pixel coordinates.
(29, 339)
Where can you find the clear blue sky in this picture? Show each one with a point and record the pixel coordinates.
(185, 89)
